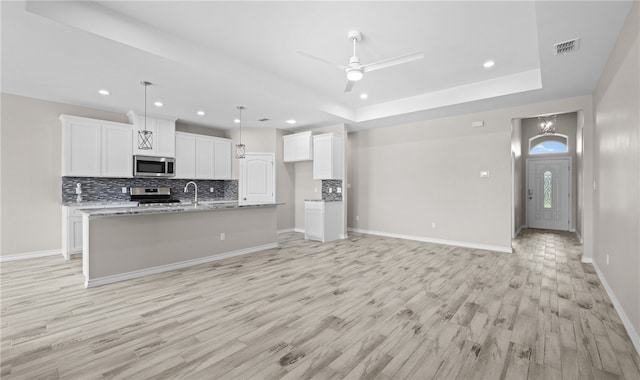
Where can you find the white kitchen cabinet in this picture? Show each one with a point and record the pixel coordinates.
(327, 156)
(297, 147)
(205, 153)
(202, 157)
(116, 153)
(222, 159)
(185, 155)
(164, 131)
(322, 220)
(95, 148)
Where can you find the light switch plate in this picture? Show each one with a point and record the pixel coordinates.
(484, 174)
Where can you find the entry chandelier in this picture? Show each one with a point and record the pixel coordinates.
(240, 151)
(145, 137)
(547, 125)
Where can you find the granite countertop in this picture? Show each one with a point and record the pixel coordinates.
(323, 200)
(188, 207)
(100, 203)
(96, 204)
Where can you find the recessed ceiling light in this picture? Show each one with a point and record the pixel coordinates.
(103, 92)
(364, 95)
(290, 121)
(488, 64)
(200, 113)
(236, 121)
(158, 104)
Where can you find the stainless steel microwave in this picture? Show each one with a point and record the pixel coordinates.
(148, 166)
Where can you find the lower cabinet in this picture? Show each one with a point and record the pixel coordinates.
(72, 226)
(322, 220)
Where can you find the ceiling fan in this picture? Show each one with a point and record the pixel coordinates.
(355, 70)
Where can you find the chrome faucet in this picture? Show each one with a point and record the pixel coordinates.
(195, 195)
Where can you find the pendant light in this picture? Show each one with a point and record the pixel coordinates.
(145, 137)
(547, 125)
(240, 147)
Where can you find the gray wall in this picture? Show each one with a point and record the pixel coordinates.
(518, 174)
(407, 176)
(30, 171)
(617, 168)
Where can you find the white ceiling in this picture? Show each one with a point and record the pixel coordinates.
(213, 56)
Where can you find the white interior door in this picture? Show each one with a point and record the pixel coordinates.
(549, 193)
(257, 178)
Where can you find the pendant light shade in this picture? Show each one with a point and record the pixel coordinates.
(240, 148)
(145, 137)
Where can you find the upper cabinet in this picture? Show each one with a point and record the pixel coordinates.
(327, 156)
(164, 131)
(202, 157)
(95, 148)
(298, 147)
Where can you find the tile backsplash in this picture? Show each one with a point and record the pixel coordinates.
(330, 189)
(96, 189)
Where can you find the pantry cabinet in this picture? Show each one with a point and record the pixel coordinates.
(95, 148)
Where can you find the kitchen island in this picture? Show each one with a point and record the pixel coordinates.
(130, 242)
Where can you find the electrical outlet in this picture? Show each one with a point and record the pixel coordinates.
(315, 189)
(222, 236)
(330, 190)
(211, 189)
(339, 190)
(607, 259)
(124, 190)
(433, 225)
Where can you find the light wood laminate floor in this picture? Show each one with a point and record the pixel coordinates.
(366, 307)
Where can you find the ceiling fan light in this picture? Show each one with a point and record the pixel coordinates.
(354, 75)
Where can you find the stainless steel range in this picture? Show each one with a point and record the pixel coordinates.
(153, 196)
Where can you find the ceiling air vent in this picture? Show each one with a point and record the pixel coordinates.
(566, 46)
(263, 119)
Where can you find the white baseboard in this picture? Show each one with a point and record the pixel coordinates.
(30, 255)
(587, 260)
(579, 237)
(487, 247)
(90, 283)
(633, 334)
(286, 231)
(300, 230)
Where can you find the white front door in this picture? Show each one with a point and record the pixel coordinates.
(548, 194)
(257, 178)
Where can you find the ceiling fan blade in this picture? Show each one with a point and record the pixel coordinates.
(349, 86)
(393, 61)
(341, 67)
